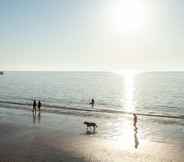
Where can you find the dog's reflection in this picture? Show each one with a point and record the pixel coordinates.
(36, 117)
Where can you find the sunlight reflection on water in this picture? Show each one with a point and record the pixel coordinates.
(129, 103)
(123, 133)
(127, 135)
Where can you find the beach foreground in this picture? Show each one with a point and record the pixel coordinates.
(56, 137)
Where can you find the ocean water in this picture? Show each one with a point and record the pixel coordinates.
(159, 93)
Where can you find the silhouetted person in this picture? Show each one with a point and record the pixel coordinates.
(39, 106)
(34, 105)
(92, 103)
(135, 120)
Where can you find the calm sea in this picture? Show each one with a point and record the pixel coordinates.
(149, 92)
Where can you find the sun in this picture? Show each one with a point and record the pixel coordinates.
(128, 15)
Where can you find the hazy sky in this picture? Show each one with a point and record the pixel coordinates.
(91, 34)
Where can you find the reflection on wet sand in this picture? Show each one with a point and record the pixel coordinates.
(56, 142)
(39, 117)
(124, 133)
(36, 117)
(136, 138)
(135, 131)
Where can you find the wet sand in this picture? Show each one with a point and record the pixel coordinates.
(56, 137)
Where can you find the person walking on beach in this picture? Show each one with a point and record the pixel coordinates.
(34, 105)
(39, 106)
(135, 120)
(92, 103)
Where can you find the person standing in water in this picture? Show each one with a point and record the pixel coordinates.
(34, 106)
(39, 106)
(92, 103)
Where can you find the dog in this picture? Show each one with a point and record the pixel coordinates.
(90, 125)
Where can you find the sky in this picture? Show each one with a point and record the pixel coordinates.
(91, 34)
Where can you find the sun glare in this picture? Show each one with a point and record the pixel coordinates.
(128, 100)
(128, 16)
(129, 103)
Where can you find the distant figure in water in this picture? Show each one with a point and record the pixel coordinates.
(34, 105)
(39, 106)
(92, 103)
(135, 120)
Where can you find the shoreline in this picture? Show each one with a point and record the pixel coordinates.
(61, 109)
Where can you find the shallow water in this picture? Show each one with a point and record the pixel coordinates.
(159, 93)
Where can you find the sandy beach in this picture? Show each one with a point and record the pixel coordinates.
(62, 137)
